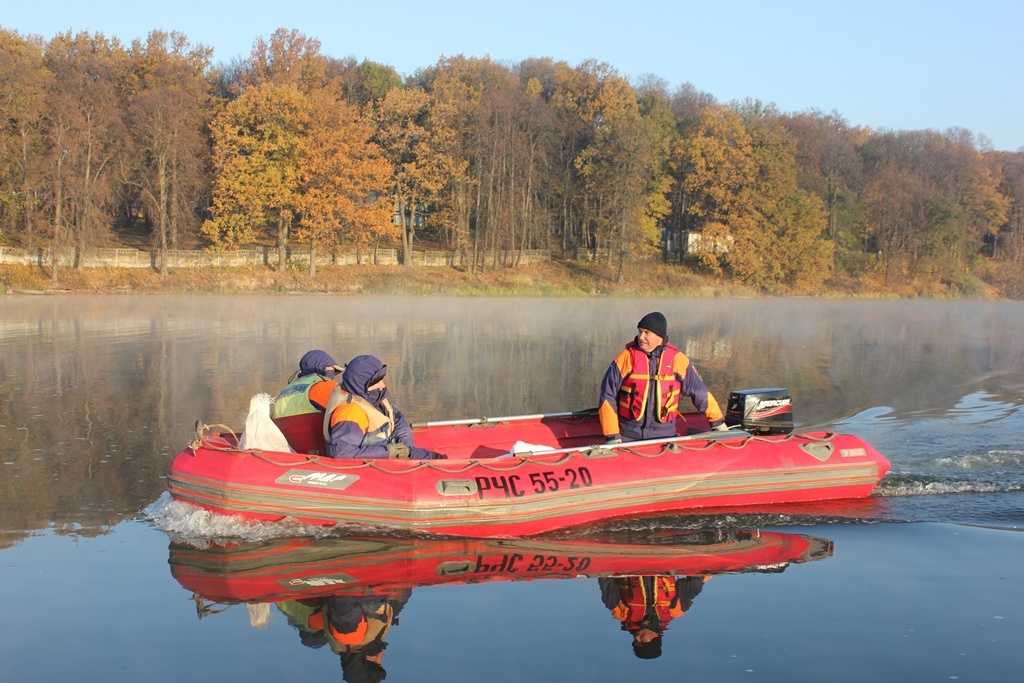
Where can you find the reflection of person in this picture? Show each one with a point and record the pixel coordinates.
(306, 617)
(353, 625)
(356, 628)
(641, 389)
(298, 409)
(360, 421)
(645, 605)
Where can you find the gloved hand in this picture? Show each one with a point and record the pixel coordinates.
(721, 428)
(434, 455)
(613, 438)
(398, 450)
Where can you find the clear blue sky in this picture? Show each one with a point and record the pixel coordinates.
(885, 64)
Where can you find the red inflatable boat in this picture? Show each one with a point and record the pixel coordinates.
(561, 474)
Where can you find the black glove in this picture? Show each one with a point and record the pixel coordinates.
(398, 450)
(438, 456)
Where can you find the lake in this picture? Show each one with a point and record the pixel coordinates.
(105, 579)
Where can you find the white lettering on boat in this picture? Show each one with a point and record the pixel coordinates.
(852, 452)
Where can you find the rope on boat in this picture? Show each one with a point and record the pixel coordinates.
(508, 464)
(202, 440)
(204, 609)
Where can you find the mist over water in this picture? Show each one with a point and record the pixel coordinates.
(100, 392)
(97, 394)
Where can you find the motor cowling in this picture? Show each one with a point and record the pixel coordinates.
(761, 411)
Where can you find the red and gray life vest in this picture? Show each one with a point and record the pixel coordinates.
(381, 424)
(636, 386)
(632, 610)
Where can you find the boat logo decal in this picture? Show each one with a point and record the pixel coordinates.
(320, 480)
(300, 582)
(772, 406)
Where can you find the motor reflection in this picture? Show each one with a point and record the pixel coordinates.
(345, 594)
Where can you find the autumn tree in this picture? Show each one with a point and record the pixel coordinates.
(363, 83)
(784, 244)
(257, 141)
(24, 81)
(342, 180)
(289, 57)
(84, 132)
(413, 136)
(686, 105)
(717, 167)
(499, 207)
(256, 150)
(934, 200)
(460, 82)
(624, 168)
(167, 113)
(1010, 240)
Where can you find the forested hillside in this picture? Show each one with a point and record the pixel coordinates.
(154, 144)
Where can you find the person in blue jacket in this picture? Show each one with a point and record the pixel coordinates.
(642, 388)
(361, 422)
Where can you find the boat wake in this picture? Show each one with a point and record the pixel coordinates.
(186, 523)
(995, 471)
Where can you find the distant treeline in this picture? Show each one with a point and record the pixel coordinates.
(102, 142)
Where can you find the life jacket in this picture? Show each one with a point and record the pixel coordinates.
(374, 624)
(636, 386)
(294, 398)
(637, 597)
(381, 424)
(299, 420)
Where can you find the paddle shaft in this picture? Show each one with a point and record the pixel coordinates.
(510, 418)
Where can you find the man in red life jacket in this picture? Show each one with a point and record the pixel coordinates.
(298, 410)
(641, 390)
(361, 422)
(645, 605)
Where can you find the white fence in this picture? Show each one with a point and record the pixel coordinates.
(184, 258)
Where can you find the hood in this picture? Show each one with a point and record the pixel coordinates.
(316, 361)
(358, 373)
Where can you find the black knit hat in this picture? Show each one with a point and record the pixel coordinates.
(656, 323)
(651, 650)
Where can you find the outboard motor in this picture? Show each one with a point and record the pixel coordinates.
(761, 411)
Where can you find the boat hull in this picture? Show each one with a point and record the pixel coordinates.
(529, 493)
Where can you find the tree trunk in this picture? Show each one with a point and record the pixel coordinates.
(282, 242)
(163, 217)
(408, 230)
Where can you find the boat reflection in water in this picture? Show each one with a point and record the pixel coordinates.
(346, 593)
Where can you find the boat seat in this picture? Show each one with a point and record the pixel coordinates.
(305, 433)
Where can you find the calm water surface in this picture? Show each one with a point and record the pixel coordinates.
(924, 581)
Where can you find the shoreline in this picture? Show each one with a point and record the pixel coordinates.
(551, 279)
